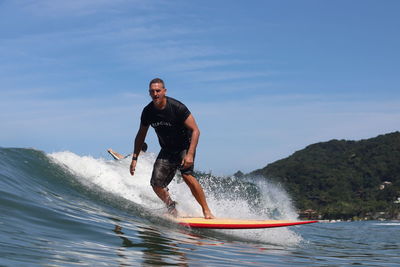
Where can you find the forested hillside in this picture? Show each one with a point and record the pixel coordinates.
(343, 179)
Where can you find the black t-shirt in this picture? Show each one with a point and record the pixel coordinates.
(169, 124)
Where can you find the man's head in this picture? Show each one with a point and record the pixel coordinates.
(157, 92)
(157, 80)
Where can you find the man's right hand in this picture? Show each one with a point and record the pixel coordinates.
(132, 167)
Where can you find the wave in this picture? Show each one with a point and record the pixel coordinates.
(70, 192)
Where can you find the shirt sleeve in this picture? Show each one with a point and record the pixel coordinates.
(144, 118)
(183, 112)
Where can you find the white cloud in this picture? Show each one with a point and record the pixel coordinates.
(193, 64)
(62, 61)
(55, 8)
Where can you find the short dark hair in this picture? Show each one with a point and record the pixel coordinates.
(157, 80)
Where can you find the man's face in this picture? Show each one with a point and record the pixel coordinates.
(157, 93)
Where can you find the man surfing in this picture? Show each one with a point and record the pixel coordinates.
(178, 136)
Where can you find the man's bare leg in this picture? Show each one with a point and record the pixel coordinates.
(163, 194)
(198, 194)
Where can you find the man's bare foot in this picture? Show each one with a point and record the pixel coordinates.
(172, 209)
(173, 213)
(208, 215)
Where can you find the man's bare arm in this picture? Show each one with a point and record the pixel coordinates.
(139, 141)
(190, 123)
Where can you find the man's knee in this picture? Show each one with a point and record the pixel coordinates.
(186, 176)
(189, 179)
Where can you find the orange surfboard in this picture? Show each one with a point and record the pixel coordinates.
(220, 223)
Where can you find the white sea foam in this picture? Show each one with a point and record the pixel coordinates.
(114, 177)
(387, 224)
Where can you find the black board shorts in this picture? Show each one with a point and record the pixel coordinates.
(165, 167)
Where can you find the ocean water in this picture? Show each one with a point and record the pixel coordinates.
(62, 209)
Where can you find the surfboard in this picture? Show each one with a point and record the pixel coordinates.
(220, 223)
(113, 155)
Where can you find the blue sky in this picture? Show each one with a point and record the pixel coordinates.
(262, 78)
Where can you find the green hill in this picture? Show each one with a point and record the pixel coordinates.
(343, 179)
